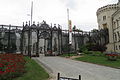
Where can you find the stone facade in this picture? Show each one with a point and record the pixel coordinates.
(106, 18)
(116, 30)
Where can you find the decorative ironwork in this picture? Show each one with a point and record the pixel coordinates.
(9, 34)
(54, 37)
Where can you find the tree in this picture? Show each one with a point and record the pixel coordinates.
(74, 28)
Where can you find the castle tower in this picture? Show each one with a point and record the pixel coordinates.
(104, 19)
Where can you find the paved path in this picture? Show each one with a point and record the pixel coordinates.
(72, 68)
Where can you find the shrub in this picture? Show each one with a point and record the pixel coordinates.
(90, 46)
(97, 53)
(83, 49)
(93, 53)
(87, 52)
(95, 47)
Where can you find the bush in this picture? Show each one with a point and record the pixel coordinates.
(93, 53)
(90, 46)
(97, 53)
(83, 49)
(95, 47)
(87, 52)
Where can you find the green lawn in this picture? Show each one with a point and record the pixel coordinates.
(99, 60)
(34, 71)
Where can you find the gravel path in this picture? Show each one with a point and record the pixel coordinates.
(72, 68)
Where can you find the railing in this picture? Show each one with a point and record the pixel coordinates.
(66, 78)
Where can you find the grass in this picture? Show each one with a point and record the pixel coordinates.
(34, 71)
(102, 60)
(68, 55)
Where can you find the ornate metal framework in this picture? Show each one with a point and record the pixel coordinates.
(8, 37)
(55, 39)
(43, 31)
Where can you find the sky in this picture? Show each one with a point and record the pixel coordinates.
(81, 12)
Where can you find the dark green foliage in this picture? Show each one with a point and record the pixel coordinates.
(65, 48)
(92, 47)
(101, 48)
(97, 53)
(83, 48)
(87, 52)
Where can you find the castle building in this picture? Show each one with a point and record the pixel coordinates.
(109, 17)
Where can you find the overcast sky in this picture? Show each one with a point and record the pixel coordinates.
(82, 12)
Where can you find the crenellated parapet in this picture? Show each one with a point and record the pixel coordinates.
(107, 8)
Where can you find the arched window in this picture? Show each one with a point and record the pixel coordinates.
(118, 36)
(117, 23)
(115, 37)
(104, 18)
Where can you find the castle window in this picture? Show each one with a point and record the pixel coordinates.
(104, 18)
(118, 35)
(117, 23)
(116, 48)
(115, 37)
(114, 25)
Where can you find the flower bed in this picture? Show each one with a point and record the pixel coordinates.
(112, 56)
(11, 66)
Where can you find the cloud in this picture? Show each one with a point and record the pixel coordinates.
(112, 1)
(72, 4)
(82, 12)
